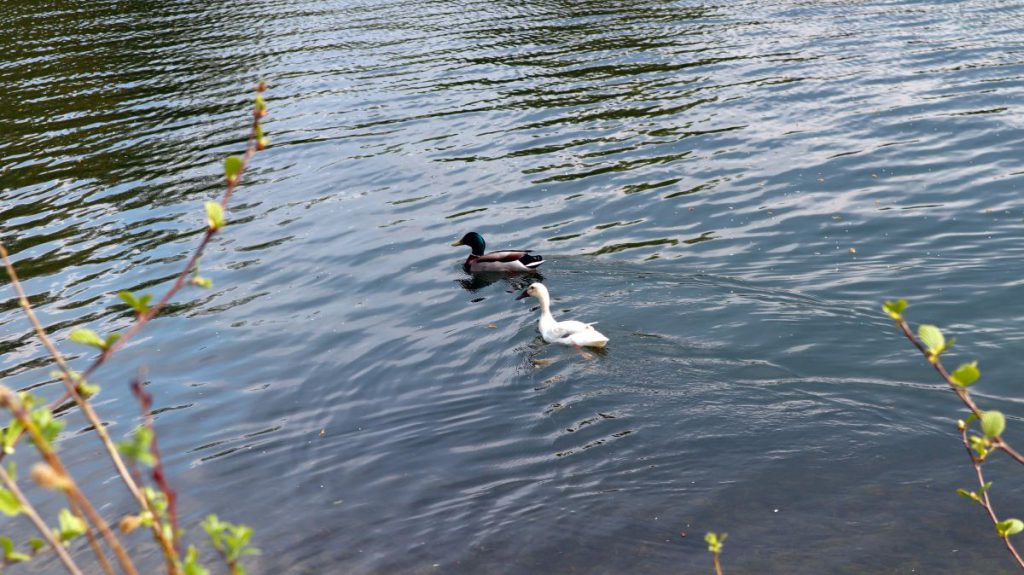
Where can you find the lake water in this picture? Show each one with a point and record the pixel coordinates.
(729, 189)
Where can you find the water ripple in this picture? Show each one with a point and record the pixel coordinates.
(730, 189)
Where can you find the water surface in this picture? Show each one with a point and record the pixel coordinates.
(729, 189)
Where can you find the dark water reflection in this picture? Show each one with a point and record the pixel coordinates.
(728, 189)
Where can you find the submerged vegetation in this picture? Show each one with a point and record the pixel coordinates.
(137, 459)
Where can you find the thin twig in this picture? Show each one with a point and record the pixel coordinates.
(146, 406)
(962, 393)
(72, 491)
(71, 390)
(233, 565)
(41, 526)
(984, 499)
(101, 557)
(69, 380)
(182, 279)
(170, 548)
(1007, 449)
(997, 442)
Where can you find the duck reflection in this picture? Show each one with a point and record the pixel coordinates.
(516, 281)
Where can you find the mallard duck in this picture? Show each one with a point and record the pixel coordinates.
(569, 332)
(504, 261)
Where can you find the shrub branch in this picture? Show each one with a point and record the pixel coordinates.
(77, 388)
(983, 498)
(932, 344)
(40, 525)
(71, 490)
(142, 319)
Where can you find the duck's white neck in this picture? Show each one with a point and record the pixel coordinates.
(545, 307)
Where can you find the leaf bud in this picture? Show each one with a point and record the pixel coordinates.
(129, 523)
(49, 478)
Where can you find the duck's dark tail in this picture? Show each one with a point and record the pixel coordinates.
(531, 261)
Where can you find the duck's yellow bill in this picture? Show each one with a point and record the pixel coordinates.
(458, 243)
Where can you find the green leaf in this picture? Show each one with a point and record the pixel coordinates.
(230, 539)
(11, 435)
(9, 504)
(214, 215)
(1009, 527)
(992, 424)
(980, 445)
(10, 555)
(70, 526)
(233, 167)
(128, 298)
(139, 447)
(36, 544)
(27, 399)
(260, 106)
(192, 566)
(895, 308)
(42, 417)
(157, 499)
(966, 374)
(968, 494)
(202, 282)
(715, 542)
(17, 557)
(87, 390)
(146, 519)
(109, 341)
(6, 544)
(932, 338)
(237, 539)
(140, 304)
(87, 337)
(60, 375)
(214, 529)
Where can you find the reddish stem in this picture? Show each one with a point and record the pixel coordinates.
(146, 406)
(182, 279)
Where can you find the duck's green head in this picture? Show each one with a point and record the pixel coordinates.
(474, 241)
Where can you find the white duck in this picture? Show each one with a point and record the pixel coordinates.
(569, 332)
